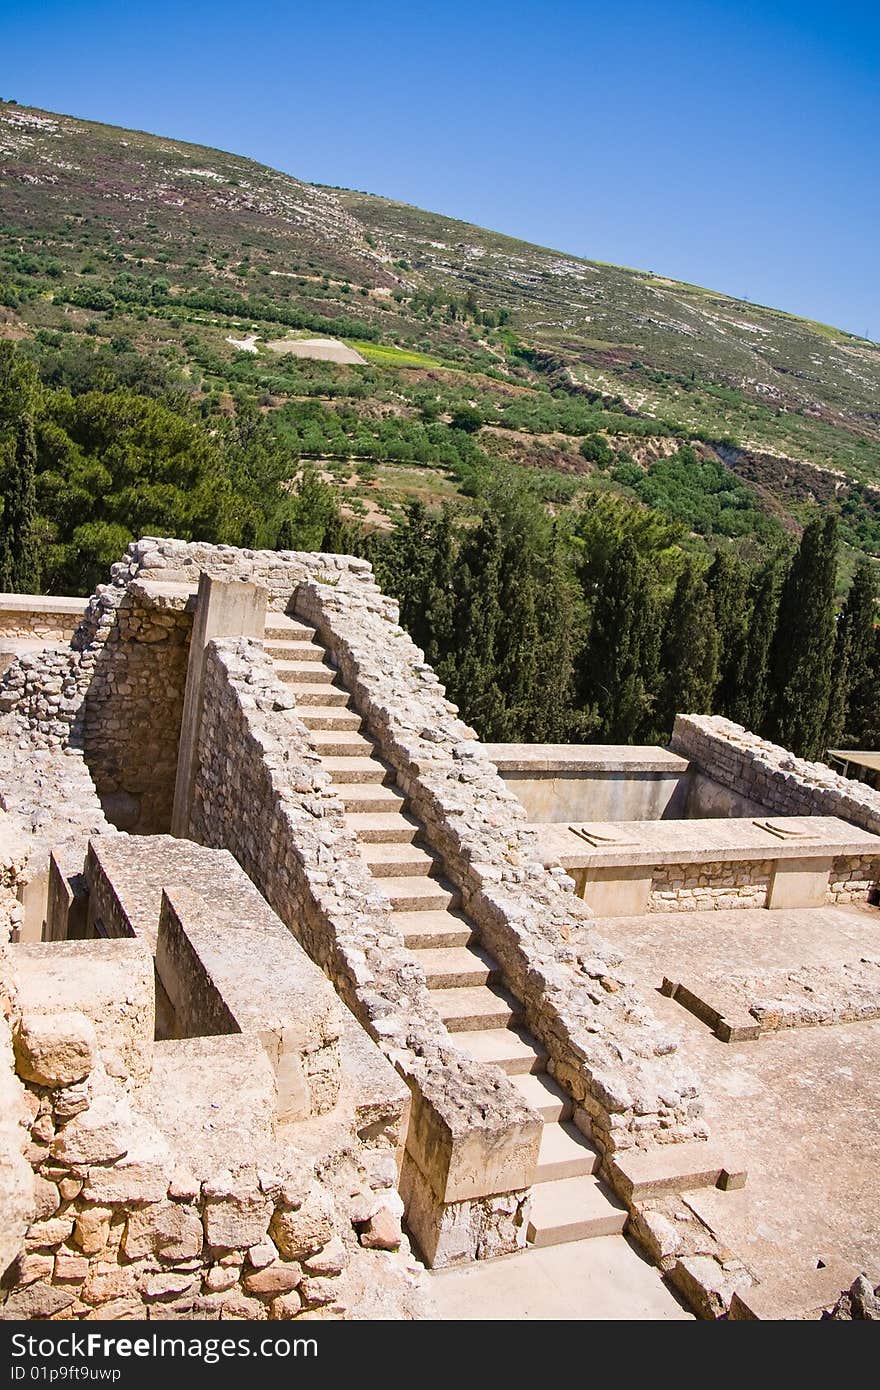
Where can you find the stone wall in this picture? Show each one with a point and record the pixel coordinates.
(604, 1045)
(851, 879)
(161, 1189)
(16, 1177)
(769, 775)
(704, 887)
(38, 616)
(260, 792)
(130, 719)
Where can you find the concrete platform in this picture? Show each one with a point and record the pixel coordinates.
(603, 1279)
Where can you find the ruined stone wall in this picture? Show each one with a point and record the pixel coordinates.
(851, 879)
(130, 719)
(704, 887)
(770, 775)
(34, 616)
(260, 792)
(605, 1046)
(116, 693)
(142, 1208)
(16, 1177)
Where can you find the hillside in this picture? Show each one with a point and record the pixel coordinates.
(467, 347)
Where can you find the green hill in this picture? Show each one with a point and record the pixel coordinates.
(476, 348)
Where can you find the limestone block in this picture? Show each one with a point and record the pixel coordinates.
(168, 1229)
(100, 1134)
(142, 1175)
(237, 1220)
(275, 1279)
(55, 1049)
(110, 982)
(36, 1301)
(92, 1229)
(303, 1230)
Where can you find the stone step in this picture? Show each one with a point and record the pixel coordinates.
(463, 1010)
(304, 672)
(374, 828)
(353, 768)
(573, 1209)
(398, 860)
(333, 715)
(368, 796)
(542, 1094)
(341, 743)
(410, 894)
(280, 628)
(511, 1049)
(290, 649)
(429, 930)
(320, 697)
(564, 1153)
(455, 967)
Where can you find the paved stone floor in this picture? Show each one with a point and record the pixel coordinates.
(813, 964)
(583, 1280)
(802, 1105)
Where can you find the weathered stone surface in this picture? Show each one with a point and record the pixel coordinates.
(55, 1049)
(92, 1228)
(36, 1301)
(167, 1229)
(275, 1279)
(302, 1231)
(236, 1219)
(101, 1134)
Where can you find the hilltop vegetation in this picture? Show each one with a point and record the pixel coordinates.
(587, 373)
(585, 483)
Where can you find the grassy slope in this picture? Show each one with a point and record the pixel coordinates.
(84, 204)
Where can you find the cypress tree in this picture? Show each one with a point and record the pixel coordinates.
(856, 644)
(477, 622)
(617, 663)
(689, 650)
(750, 677)
(727, 583)
(802, 655)
(19, 561)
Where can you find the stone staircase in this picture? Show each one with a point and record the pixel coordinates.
(568, 1201)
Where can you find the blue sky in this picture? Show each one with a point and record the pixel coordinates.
(731, 144)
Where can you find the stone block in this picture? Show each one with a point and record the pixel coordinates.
(110, 982)
(55, 1049)
(228, 964)
(170, 1230)
(802, 1294)
(466, 1146)
(799, 883)
(304, 1230)
(640, 1173)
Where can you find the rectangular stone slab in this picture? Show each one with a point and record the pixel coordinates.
(642, 1173)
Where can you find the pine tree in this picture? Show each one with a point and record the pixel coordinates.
(802, 654)
(750, 691)
(689, 650)
(855, 645)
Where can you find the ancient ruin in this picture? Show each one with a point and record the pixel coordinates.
(307, 992)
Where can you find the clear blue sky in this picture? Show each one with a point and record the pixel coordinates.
(734, 144)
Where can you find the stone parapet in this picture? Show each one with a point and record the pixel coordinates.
(260, 792)
(604, 1046)
(765, 773)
